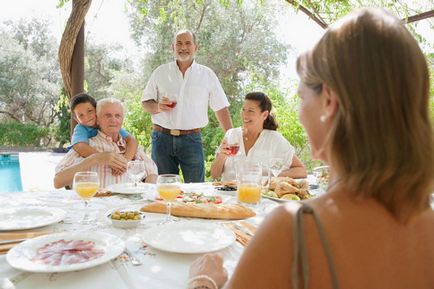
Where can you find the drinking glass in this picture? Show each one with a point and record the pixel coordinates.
(276, 165)
(169, 187)
(172, 104)
(136, 171)
(321, 175)
(265, 177)
(170, 100)
(249, 184)
(86, 185)
(233, 143)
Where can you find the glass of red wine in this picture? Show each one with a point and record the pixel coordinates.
(170, 101)
(233, 143)
(233, 149)
(172, 105)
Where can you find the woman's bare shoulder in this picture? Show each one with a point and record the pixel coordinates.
(266, 262)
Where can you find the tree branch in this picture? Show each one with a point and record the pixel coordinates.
(10, 115)
(201, 17)
(311, 15)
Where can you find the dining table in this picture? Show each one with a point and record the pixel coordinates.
(156, 267)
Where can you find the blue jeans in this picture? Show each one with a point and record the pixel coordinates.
(185, 151)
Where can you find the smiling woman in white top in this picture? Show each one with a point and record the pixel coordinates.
(256, 141)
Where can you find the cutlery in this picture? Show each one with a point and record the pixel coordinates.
(4, 242)
(132, 246)
(241, 237)
(243, 229)
(252, 228)
(133, 258)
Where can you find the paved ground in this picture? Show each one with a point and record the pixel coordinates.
(37, 169)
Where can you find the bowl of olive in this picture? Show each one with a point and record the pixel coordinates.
(126, 219)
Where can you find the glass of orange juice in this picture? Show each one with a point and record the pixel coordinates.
(86, 185)
(169, 187)
(249, 184)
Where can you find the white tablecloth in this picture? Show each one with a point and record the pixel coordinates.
(160, 270)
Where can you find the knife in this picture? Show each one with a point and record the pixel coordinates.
(4, 242)
(243, 229)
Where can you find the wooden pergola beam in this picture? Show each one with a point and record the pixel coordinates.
(421, 16)
(309, 13)
(322, 24)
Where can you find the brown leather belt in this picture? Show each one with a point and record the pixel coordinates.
(175, 132)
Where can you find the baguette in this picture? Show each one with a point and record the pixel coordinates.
(207, 211)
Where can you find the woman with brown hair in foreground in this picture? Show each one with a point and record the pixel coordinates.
(364, 92)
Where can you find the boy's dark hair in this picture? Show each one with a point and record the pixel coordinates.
(82, 98)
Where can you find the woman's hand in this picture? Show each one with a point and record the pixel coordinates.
(210, 265)
(224, 148)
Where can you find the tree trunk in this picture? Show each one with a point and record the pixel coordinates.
(71, 51)
(77, 70)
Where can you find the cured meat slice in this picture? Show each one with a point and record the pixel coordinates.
(64, 252)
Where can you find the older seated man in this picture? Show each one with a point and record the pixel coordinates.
(109, 143)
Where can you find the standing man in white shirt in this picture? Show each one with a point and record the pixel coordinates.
(178, 95)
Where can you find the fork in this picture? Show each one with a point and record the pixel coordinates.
(133, 258)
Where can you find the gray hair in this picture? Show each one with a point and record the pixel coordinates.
(185, 31)
(108, 100)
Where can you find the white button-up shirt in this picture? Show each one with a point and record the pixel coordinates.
(193, 92)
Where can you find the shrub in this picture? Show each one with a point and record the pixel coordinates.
(21, 134)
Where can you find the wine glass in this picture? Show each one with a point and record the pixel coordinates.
(266, 175)
(276, 165)
(86, 185)
(136, 171)
(172, 99)
(321, 175)
(169, 187)
(233, 143)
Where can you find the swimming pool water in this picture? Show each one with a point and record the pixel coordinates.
(10, 178)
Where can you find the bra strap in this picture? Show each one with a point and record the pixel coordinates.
(300, 254)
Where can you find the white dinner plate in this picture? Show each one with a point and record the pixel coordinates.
(22, 218)
(189, 237)
(129, 189)
(20, 256)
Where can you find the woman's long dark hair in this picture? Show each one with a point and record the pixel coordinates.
(265, 105)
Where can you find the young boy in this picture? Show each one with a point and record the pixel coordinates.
(83, 109)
